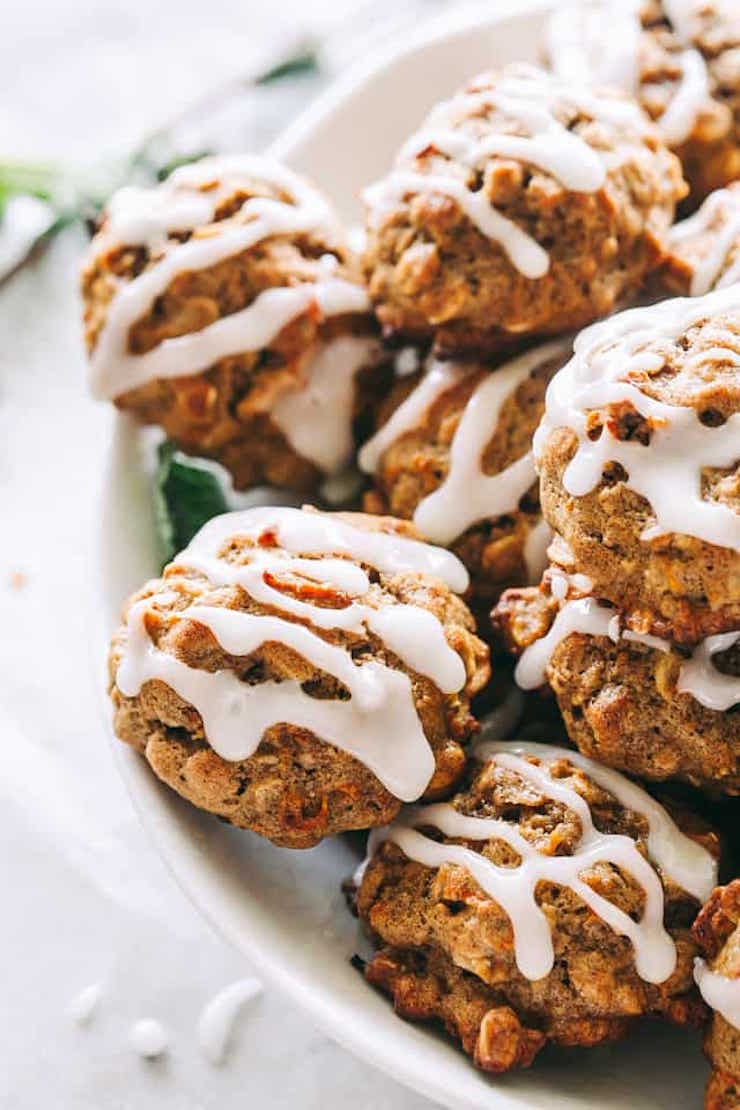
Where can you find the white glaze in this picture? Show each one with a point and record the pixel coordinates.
(720, 993)
(143, 217)
(316, 417)
(149, 1038)
(700, 678)
(378, 723)
(217, 1020)
(610, 360)
(81, 1009)
(438, 378)
(682, 111)
(530, 98)
(467, 494)
(708, 271)
(535, 550)
(514, 888)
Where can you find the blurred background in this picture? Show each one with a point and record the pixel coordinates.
(94, 93)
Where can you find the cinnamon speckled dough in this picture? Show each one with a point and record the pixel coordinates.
(673, 584)
(224, 411)
(717, 931)
(431, 271)
(418, 462)
(620, 701)
(699, 245)
(446, 948)
(295, 789)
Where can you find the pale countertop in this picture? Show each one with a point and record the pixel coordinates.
(85, 896)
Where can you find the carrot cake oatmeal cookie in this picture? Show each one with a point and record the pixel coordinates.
(300, 673)
(678, 58)
(638, 454)
(704, 250)
(717, 973)
(225, 306)
(550, 900)
(631, 700)
(525, 205)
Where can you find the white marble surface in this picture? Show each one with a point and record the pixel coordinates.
(85, 897)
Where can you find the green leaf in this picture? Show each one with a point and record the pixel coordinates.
(187, 494)
(301, 63)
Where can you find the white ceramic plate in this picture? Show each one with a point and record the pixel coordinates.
(284, 909)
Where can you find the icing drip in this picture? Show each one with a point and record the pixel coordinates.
(378, 724)
(218, 1018)
(535, 550)
(677, 122)
(82, 1008)
(708, 271)
(143, 217)
(720, 993)
(609, 360)
(437, 379)
(703, 681)
(579, 50)
(467, 494)
(514, 888)
(316, 418)
(149, 1038)
(529, 98)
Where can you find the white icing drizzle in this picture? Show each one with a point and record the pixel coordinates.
(143, 217)
(720, 993)
(439, 376)
(579, 49)
(378, 723)
(610, 358)
(514, 888)
(700, 678)
(82, 1007)
(706, 275)
(677, 122)
(217, 1020)
(530, 98)
(149, 1038)
(467, 494)
(535, 550)
(316, 418)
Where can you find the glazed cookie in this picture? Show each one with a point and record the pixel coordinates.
(225, 306)
(550, 900)
(629, 699)
(524, 206)
(453, 454)
(300, 673)
(678, 58)
(717, 973)
(704, 250)
(638, 460)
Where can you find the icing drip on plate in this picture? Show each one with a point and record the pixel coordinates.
(467, 495)
(185, 202)
(531, 100)
(697, 675)
(514, 888)
(609, 361)
(720, 993)
(719, 219)
(378, 723)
